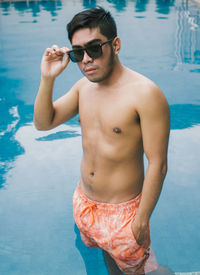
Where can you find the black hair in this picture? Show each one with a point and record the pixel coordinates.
(93, 18)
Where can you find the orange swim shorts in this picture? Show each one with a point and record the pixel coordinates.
(108, 226)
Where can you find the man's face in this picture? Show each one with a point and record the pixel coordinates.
(96, 70)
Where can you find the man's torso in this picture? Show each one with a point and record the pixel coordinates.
(112, 167)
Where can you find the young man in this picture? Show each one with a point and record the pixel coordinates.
(123, 115)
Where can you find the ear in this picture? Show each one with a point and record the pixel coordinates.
(116, 45)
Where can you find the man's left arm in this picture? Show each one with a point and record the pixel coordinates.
(155, 126)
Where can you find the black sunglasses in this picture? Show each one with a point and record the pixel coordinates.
(93, 51)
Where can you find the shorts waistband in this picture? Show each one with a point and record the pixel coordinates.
(127, 204)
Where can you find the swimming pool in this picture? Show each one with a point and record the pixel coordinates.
(39, 170)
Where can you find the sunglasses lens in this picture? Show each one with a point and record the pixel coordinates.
(76, 55)
(94, 51)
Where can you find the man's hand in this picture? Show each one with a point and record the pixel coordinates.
(52, 62)
(139, 231)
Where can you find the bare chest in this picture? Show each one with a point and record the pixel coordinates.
(112, 116)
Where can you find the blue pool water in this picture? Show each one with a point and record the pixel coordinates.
(39, 170)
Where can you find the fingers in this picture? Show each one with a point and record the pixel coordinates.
(55, 50)
(54, 56)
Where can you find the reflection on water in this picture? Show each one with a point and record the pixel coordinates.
(11, 119)
(188, 35)
(119, 5)
(59, 135)
(184, 116)
(35, 7)
(141, 6)
(88, 4)
(163, 7)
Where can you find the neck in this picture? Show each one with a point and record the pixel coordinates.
(114, 76)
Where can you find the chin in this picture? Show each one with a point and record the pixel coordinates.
(94, 78)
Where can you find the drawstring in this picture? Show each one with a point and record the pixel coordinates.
(89, 208)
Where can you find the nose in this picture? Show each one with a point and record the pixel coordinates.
(86, 58)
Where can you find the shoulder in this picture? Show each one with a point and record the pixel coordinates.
(142, 84)
(152, 103)
(149, 92)
(147, 95)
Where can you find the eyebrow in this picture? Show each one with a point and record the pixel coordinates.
(93, 41)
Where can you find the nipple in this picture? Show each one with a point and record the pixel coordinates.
(117, 130)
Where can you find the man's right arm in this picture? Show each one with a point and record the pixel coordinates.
(49, 114)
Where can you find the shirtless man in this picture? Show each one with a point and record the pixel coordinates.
(122, 115)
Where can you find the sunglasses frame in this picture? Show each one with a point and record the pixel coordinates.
(85, 49)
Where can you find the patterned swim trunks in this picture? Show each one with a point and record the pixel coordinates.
(108, 226)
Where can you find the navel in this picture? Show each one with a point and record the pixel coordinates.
(92, 174)
(117, 130)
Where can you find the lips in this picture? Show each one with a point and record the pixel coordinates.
(90, 70)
